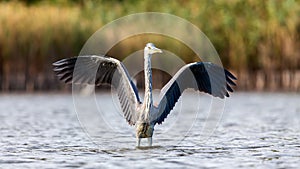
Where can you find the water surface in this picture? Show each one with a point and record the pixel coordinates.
(257, 130)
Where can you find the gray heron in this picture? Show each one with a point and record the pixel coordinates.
(210, 78)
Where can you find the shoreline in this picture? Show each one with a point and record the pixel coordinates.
(256, 81)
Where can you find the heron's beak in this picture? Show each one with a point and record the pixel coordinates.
(156, 50)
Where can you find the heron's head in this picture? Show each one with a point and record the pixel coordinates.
(151, 49)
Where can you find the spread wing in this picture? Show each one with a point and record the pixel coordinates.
(203, 76)
(97, 70)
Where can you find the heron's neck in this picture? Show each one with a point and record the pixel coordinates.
(148, 101)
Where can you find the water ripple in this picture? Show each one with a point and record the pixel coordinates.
(257, 131)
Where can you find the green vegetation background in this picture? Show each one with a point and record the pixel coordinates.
(255, 39)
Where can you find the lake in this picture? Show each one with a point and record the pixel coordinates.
(256, 130)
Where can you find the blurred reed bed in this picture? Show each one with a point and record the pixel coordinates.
(258, 40)
(32, 37)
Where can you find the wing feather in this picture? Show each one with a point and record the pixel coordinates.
(97, 70)
(202, 76)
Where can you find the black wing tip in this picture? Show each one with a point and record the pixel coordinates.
(62, 69)
(229, 81)
(229, 74)
(57, 63)
(64, 61)
(229, 89)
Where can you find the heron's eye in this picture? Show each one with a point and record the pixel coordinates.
(149, 47)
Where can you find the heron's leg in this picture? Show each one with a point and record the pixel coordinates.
(150, 141)
(138, 142)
